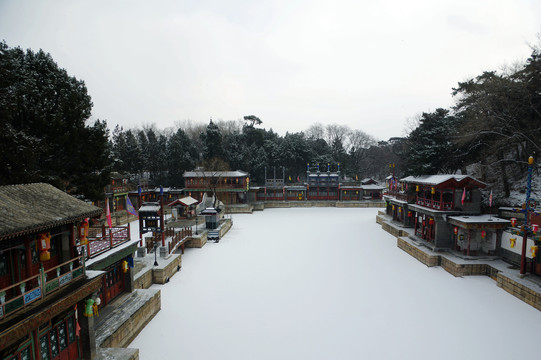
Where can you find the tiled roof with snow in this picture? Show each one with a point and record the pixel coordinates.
(150, 207)
(440, 179)
(480, 219)
(29, 208)
(206, 173)
(372, 187)
(188, 200)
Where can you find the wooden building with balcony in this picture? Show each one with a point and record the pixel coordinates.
(323, 185)
(425, 202)
(435, 197)
(230, 187)
(44, 283)
(117, 191)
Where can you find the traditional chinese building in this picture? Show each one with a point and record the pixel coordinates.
(323, 185)
(230, 187)
(477, 234)
(184, 207)
(425, 202)
(513, 238)
(45, 288)
(117, 191)
(110, 250)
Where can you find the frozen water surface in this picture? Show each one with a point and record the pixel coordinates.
(327, 283)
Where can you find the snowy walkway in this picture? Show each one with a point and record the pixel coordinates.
(324, 283)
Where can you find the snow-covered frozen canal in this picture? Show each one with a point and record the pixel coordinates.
(327, 283)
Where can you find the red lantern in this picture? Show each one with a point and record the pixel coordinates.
(455, 230)
(44, 244)
(513, 222)
(483, 234)
(83, 232)
(431, 221)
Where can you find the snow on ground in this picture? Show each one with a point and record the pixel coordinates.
(327, 283)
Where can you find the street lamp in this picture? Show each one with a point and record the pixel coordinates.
(196, 233)
(155, 252)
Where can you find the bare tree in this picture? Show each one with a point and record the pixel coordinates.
(315, 131)
(211, 171)
(335, 132)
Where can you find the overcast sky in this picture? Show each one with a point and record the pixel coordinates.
(370, 65)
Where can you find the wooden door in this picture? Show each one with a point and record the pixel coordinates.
(114, 282)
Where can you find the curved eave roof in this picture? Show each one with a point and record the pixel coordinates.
(31, 208)
(212, 174)
(444, 180)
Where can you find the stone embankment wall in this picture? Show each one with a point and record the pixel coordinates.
(132, 325)
(143, 281)
(520, 291)
(197, 241)
(224, 228)
(240, 209)
(457, 268)
(338, 204)
(417, 253)
(162, 275)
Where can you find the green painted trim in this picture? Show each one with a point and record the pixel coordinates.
(114, 257)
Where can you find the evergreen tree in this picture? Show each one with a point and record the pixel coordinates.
(212, 142)
(430, 146)
(181, 157)
(45, 137)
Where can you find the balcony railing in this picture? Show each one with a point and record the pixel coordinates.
(102, 239)
(433, 204)
(401, 196)
(35, 288)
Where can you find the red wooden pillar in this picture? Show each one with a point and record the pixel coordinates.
(111, 238)
(27, 258)
(72, 243)
(36, 343)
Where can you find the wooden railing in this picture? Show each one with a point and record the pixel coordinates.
(37, 287)
(102, 239)
(179, 239)
(433, 204)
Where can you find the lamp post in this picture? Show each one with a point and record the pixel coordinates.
(526, 212)
(155, 253)
(196, 233)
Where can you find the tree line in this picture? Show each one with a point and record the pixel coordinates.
(492, 129)
(238, 145)
(47, 135)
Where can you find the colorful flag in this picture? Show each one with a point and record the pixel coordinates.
(108, 213)
(129, 207)
(490, 199)
(463, 196)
